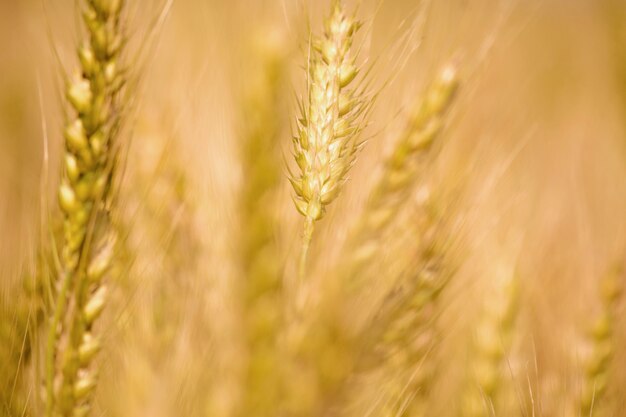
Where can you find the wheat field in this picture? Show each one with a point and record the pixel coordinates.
(294, 208)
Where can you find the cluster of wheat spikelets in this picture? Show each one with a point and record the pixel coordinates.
(173, 285)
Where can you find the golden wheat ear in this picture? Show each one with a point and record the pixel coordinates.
(401, 170)
(326, 142)
(84, 196)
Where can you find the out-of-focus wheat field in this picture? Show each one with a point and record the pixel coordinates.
(491, 288)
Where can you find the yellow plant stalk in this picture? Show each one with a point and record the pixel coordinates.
(326, 144)
(262, 292)
(85, 197)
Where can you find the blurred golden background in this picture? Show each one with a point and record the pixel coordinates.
(523, 197)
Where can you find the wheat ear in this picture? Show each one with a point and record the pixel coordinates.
(407, 344)
(84, 197)
(400, 171)
(491, 342)
(326, 144)
(400, 340)
(603, 345)
(398, 178)
(263, 291)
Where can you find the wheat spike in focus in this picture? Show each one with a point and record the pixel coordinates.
(84, 197)
(325, 146)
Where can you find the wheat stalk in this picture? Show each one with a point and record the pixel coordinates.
(84, 197)
(262, 289)
(326, 143)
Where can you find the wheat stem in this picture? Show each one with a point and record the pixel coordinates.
(307, 237)
(263, 286)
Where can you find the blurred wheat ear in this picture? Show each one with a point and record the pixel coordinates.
(399, 338)
(262, 287)
(598, 368)
(492, 339)
(85, 196)
(400, 173)
(404, 337)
